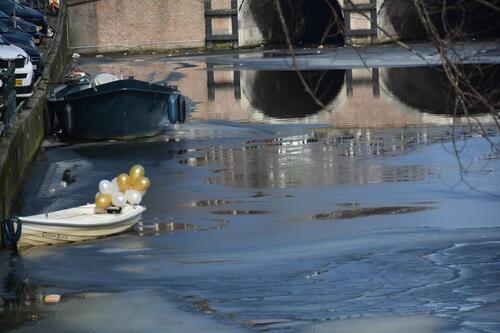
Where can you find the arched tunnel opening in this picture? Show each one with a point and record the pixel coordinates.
(456, 20)
(309, 22)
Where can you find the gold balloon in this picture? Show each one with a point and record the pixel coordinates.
(103, 201)
(123, 181)
(136, 171)
(141, 184)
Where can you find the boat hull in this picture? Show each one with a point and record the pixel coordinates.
(117, 110)
(36, 231)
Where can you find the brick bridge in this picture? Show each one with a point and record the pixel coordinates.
(117, 25)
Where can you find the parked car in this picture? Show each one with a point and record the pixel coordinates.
(35, 4)
(22, 25)
(24, 68)
(26, 13)
(24, 41)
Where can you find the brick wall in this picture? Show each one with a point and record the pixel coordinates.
(118, 25)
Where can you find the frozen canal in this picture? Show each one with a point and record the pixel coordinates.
(269, 212)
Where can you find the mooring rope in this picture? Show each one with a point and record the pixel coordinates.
(12, 229)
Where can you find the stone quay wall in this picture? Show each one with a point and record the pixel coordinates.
(19, 148)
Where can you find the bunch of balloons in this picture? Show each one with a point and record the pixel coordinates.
(123, 189)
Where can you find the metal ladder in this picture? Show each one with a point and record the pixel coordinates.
(210, 14)
(371, 8)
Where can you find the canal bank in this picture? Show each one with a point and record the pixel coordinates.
(19, 148)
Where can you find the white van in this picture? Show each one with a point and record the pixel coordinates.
(24, 67)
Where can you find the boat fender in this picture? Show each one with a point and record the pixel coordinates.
(12, 229)
(182, 109)
(173, 108)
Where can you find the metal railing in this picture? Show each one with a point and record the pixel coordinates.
(8, 104)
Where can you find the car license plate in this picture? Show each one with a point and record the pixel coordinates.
(38, 27)
(37, 40)
(19, 83)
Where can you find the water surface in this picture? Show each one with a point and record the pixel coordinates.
(270, 211)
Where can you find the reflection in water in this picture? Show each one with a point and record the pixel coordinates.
(210, 203)
(157, 229)
(282, 94)
(163, 228)
(365, 80)
(351, 98)
(213, 85)
(429, 89)
(322, 158)
(239, 212)
(19, 300)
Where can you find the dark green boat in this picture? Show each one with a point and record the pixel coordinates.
(108, 108)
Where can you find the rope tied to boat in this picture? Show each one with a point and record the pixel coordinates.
(12, 229)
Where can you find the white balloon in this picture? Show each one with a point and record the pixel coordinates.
(143, 193)
(128, 195)
(133, 197)
(138, 198)
(118, 199)
(114, 186)
(105, 187)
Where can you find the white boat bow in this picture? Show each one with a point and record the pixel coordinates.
(76, 224)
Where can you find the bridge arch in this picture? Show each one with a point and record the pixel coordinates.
(308, 21)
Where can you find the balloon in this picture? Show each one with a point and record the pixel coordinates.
(97, 194)
(103, 201)
(105, 187)
(136, 172)
(118, 199)
(114, 186)
(123, 181)
(133, 197)
(141, 184)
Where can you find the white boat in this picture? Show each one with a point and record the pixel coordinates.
(76, 224)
